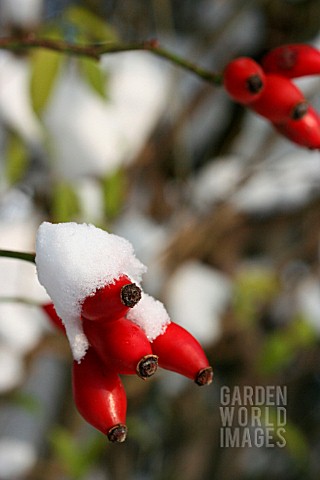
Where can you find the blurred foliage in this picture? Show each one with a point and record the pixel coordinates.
(114, 192)
(17, 158)
(65, 204)
(94, 76)
(88, 26)
(254, 288)
(282, 346)
(45, 67)
(75, 457)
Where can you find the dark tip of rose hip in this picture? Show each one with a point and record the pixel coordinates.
(204, 376)
(118, 433)
(130, 295)
(254, 84)
(147, 366)
(299, 111)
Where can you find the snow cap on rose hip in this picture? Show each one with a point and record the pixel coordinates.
(73, 261)
(150, 315)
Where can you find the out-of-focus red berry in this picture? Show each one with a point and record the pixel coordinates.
(100, 396)
(244, 80)
(292, 61)
(280, 100)
(304, 132)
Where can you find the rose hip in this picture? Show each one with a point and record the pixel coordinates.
(292, 61)
(122, 345)
(243, 79)
(100, 396)
(112, 301)
(304, 132)
(280, 100)
(51, 313)
(180, 352)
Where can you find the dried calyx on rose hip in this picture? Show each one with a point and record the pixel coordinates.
(180, 352)
(123, 346)
(176, 348)
(292, 60)
(111, 301)
(244, 80)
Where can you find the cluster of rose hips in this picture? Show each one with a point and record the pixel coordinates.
(268, 90)
(120, 346)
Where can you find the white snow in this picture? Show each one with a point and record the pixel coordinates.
(92, 136)
(73, 261)
(11, 369)
(15, 103)
(151, 315)
(17, 458)
(25, 13)
(196, 297)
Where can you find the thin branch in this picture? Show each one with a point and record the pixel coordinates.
(23, 300)
(29, 257)
(95, 51)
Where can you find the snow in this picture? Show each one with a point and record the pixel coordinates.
(73, 261)
(15, 103)
(92, 136)
(11, 369)
(150, 315)
(21, 326)
(17, 458)
(196, 297)
(25, 13)
(284, 182)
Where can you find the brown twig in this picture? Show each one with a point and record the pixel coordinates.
(95, 51)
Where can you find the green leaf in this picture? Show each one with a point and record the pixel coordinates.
(295, 440)
(276, 353)
(301, 333)
(94, 75)
(65, 203)
(45, 67)
(26, 401)
(90, 26)
(68, 452)
(75, 458)
(296, 443)
(281, 346)
(17, 158)
(114, 189)
(254, 288)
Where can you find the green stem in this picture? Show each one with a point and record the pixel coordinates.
(23, 300)
(95, 51)
(29, 257)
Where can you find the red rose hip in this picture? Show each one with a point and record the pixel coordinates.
(304, 132)
(243, 79)
(293, 60)
(100, 397)
(122, 345)
(280, 100)
(180, 352)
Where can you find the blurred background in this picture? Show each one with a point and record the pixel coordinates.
(215, 203)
